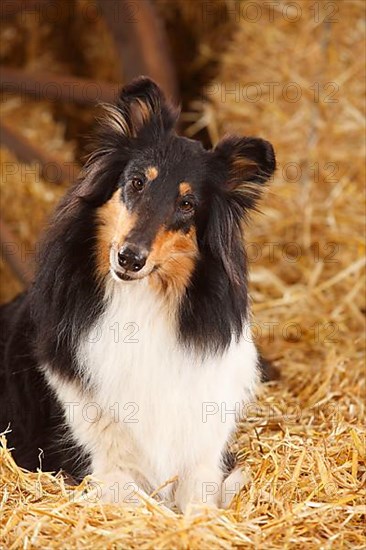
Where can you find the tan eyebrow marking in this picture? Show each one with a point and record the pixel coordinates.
(185, 188)
(151, 173)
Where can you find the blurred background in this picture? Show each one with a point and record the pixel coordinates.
(290, 72)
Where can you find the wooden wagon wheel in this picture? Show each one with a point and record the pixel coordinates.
(142, 47)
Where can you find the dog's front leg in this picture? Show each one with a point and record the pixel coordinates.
(199, 487)
(114, 466)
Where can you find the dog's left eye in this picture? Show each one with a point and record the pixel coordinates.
(137, 183)
(186, 206)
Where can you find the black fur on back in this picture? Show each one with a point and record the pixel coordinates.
(38, 435)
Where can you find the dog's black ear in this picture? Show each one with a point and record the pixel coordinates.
(142, 105)
(244, 165)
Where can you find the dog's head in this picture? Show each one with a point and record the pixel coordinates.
(164, 202)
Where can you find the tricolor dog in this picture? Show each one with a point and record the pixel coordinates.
(138, 318)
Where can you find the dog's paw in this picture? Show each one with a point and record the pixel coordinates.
(232, 485)
(199, 490)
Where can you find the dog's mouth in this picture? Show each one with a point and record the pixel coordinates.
(129, 276)
(123, 276)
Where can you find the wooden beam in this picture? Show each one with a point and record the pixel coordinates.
(56, 87)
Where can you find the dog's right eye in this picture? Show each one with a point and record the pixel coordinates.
(137, 183)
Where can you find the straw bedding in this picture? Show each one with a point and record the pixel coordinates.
(302, 445)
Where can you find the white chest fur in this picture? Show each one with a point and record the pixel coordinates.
(157, 410)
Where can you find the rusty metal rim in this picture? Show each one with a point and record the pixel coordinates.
(51, 168)
(141, 42)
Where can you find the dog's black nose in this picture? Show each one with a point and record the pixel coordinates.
(131, 258)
